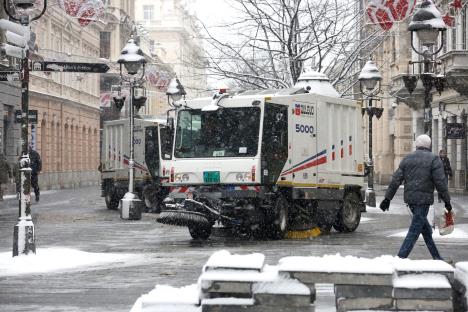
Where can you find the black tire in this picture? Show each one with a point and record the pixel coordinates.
(200, 232)
(112, 200)
(349, 216)
(278, 227)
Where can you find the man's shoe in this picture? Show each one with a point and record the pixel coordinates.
(37, 198)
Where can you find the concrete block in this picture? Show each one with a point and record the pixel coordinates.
(422, 286)
(282, 300)
(343, 278)
(424, 305)
(349, 304)
(243, 289)
(366, 291)
(422, 293)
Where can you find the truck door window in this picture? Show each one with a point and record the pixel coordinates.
(167, 139)
(274, 141)
(152, 150)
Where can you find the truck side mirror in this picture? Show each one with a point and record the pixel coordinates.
(170, 124)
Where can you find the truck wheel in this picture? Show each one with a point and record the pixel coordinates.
(349, 216)
(279, 222)
(112, 200)
(200, 232)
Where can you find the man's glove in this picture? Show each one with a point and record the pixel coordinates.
(448, 206)
(385, 204)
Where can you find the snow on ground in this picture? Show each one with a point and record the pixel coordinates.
(49, 260)
(460, 232)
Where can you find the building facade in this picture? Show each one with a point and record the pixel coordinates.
(10, 101)
(176, 40)
(404, 118)
(67, 132)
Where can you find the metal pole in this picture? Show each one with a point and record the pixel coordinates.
(370, 193)
(24, 240)
(131, 162)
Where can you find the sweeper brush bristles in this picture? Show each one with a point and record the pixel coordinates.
(314, 232)
(183, 218)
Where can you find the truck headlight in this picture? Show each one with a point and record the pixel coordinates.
(181, 177)
(243, 176)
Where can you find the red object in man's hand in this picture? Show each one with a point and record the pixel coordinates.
(446, 223)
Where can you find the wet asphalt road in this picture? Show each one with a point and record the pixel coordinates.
(78, 219)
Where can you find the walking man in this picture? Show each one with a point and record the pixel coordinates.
(5, 174)
(36, 167)
(447, 167)
(420, 172)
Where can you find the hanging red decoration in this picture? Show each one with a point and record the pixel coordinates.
(386, 12)
(457, 4)
(86, 11)
(449, 20)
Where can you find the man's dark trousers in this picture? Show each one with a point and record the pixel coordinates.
(419, 225)
(35, 185)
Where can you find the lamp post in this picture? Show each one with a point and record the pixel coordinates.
(427, 23)
(132, 59)
(24, 240)
(368, 78)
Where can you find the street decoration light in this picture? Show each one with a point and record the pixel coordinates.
(370, 79)
(24, 240)
(427, 24)
(133, 60)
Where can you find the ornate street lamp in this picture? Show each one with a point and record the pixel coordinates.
(175, 91)
(369, 78)
(24, 239)
(427, 23)
(133, 60)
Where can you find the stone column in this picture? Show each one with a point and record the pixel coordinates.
(418, 123)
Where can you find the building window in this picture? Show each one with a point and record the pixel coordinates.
(148, 12)
(105, 47)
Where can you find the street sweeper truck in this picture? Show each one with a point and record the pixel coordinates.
(265, 163)
(152, 149)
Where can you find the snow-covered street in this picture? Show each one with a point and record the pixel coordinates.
(88, 259)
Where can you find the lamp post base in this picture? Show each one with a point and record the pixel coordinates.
(370, 197)
(24, 240)
(130, 207)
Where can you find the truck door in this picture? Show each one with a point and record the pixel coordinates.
(274, 142)
(305, 156)
(152, 150)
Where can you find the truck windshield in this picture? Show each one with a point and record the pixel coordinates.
(227, 132)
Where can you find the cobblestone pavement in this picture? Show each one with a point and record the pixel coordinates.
(78, 219)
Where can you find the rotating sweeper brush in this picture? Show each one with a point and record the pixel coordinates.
(191, 213)
(183, 218)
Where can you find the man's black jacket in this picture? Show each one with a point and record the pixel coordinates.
(420, 172)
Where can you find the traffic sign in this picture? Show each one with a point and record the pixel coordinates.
(13, 51)
(17, 40)
(32, 116)
(70, 67)
(9, 76)
(15, 28)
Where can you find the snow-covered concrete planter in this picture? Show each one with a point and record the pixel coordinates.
(245, 283)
